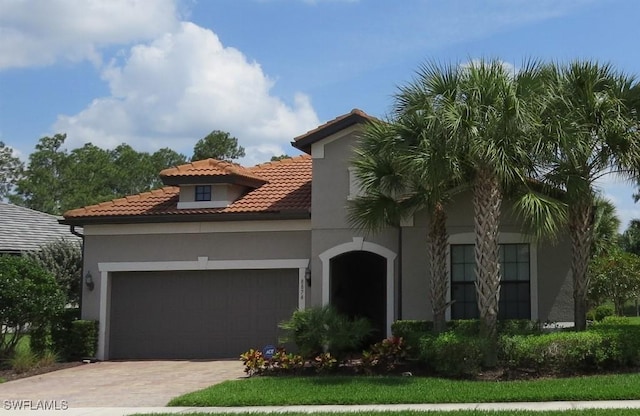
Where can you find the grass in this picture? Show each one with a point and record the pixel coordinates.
(582, 412)
(278, 391)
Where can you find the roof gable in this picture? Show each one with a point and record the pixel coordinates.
(210, 171)
(356, 116)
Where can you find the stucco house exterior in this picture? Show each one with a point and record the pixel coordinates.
(207, 266)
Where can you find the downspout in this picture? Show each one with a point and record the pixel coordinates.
(399, 272)
(78, 234)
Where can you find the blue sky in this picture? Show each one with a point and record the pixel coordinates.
(164, 73)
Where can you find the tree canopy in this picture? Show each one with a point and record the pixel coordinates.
(10, 169)
(56, 179)
(218, 145)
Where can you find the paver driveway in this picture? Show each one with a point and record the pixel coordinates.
(122, 383)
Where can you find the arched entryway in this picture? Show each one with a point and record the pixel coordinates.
(358, 287)
(358, 245)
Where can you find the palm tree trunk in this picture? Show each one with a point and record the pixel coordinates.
(580, 232)
(438, 239)
(487, 199)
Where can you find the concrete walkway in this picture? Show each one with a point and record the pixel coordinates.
(534, 406)
(118, 383)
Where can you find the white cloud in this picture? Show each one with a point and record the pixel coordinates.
(42, 32)
(175, 90)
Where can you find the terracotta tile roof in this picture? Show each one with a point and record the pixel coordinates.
(287, 190)
(209, 168)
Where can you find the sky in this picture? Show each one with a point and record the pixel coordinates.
(165, 73)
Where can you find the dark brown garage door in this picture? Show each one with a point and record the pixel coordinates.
(198, 314)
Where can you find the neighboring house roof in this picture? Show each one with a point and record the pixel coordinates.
(285, 192)
(356, 116)
(23, 229)
(211, 170)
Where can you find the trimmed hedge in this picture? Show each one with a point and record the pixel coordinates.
(60, 333)
(83, 338)
(613, 343)
(555, 352)
(453, 354)
(414, 330)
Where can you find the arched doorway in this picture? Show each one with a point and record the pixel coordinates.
(358, 281)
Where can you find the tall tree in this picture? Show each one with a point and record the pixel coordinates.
(218, 145)
(630, 238)
(57, 180)
(393, 187)
(605, 227)
(491, 113)
(87, 177)
(42, 187)
(615, 276)
(10, 169)
(591, 129)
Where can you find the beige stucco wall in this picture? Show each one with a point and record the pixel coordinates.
(330, 228)
(158, 247)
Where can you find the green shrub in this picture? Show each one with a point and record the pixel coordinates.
(465, 327)
(61, 333)
(623, 340)
(602, 312)
(519, 327)
(322, 330)
(40, 339)
(325, 362)
(610, 321)
(453, 354)
(384, 355)
(281, 363)
(556, 352)
(28, 296)
(83, 339)
(411, 331)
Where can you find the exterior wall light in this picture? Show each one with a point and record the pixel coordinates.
(307, 276)
(88, 280)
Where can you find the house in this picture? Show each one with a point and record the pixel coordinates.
(23, 229)
(207, 266)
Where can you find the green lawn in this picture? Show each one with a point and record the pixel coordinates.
(590, 412)
(278, 391)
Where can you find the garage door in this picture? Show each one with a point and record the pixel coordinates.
(198, 314)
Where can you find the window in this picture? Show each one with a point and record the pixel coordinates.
(203, 192)
(515, 282)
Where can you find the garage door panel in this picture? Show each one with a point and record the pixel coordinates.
(198, 314)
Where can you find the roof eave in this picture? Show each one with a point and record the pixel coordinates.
(211, 179)
(304, 142)
(164, 218)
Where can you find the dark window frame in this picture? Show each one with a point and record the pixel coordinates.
(202, 193)
(515, 291)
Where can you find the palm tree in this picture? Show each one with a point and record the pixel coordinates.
(392, 165)
(605, 227)
(492, 117)
(591, 130)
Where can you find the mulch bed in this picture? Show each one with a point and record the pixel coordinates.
(9, 375)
